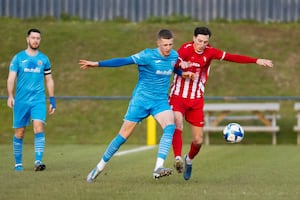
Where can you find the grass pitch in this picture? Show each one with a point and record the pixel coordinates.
(219, 172)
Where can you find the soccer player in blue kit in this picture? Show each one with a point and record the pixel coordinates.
(30, 69)
(150, 97)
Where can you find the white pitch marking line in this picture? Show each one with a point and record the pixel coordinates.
(144, 148)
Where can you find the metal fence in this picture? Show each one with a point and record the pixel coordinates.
(139, 10)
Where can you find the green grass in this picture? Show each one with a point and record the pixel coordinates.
(219, 172)
(83, 122)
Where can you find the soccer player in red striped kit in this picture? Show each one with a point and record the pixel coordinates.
(187, 94)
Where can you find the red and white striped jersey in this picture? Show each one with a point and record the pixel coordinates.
(199, 63)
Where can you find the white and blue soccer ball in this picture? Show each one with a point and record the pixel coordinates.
(233, 133)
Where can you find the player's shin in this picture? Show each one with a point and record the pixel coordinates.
(17, 150)
(165, 144)
(39, 146)
(113, 147)
(177, 143)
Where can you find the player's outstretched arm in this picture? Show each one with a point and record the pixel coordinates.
(264, 62)
(114, 62)
(84, 64)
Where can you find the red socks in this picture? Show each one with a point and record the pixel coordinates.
(177, 142)
(194, 150)
(177, 145)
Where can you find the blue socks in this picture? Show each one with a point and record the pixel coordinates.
(166, 141)
(17, 149)
(39, 146)
(113, 147)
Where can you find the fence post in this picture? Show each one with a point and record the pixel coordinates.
(151, 131)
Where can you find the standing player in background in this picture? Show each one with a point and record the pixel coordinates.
(30, 69)
(150, 97)
(187, 95)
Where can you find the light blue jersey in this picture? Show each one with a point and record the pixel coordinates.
(155, 72)
(150, 95)
(30, 98)
(30, 71)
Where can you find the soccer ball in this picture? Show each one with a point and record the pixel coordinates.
(233, 133)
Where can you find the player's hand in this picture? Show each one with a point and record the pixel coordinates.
(187, 74)
(184, 64)
(264, 62)
(10, 102)
(51, 110)
(87, 64)
(52, 106)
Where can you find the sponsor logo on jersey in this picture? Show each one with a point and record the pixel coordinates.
(195, 64)
(32, 70)
(164, 72)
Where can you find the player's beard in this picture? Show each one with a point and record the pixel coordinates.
(34, 46)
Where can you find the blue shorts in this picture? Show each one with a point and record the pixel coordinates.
(139, 110)
(24, 111)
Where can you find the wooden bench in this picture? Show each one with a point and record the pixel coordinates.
(265, 113)
(297, 127)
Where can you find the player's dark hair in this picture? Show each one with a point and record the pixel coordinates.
(34, 30)
(202, 31)
(164, 34)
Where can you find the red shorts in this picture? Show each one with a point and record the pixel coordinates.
(191, 109)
